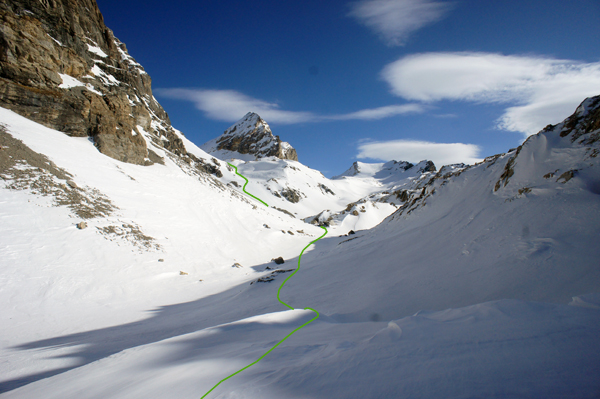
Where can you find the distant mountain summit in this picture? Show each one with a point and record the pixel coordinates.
(250, 138)
(380, 170)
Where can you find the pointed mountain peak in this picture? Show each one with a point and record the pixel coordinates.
(250, 136)
(250, 125)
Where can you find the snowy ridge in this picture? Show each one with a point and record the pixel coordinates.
(372, 169)
(342, 204)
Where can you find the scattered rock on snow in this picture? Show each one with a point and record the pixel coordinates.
(82, 225)
(271, 277)
(278, 261)
(291, 195)
(568, 175)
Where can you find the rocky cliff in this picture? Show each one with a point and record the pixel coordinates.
(251, 136)
(62, 67)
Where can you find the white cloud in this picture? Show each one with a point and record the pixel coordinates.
(395, 20)
(415, 151)
(380, 113)
(230, 106)
(538, 90)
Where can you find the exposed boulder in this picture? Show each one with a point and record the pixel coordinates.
(291, 195)
(278, 261)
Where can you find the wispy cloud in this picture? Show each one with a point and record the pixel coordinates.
(380, 113)
(537, 90)
(415, 151)
(231, 105)
(395, 20)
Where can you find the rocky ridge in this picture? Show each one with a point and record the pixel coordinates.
(252, 136)
(62, 67)
(400, 182)
(575, 142)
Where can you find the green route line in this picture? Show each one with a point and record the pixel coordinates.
(295, 271)
(278, 291)
(244, 188)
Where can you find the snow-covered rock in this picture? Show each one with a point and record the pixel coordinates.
(249, 139)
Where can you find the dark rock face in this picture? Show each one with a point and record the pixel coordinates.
(62, 67)
(291, 195)
(429, 167)
(582, 121)
(278, 261)
(252, 135)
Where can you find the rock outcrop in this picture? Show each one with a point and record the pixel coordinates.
(250, 135)
(62, 67)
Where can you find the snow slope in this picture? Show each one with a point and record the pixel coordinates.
(501, 349)
(58, 279)
(462, 292)
(344, 203)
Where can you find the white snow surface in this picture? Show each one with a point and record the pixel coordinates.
(97, 50)
(464, 296)
(337, 198)
(70, 82)
(106, 78)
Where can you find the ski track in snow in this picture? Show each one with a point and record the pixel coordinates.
(278, 298)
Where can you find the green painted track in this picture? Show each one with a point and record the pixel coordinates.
(279, 299)
(244, 188)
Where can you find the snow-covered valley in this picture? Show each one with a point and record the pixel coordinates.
(463, 291)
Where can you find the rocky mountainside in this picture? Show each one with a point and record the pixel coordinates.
(250, 138)
(62, 67)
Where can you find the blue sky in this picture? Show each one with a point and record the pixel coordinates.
(368, 80)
